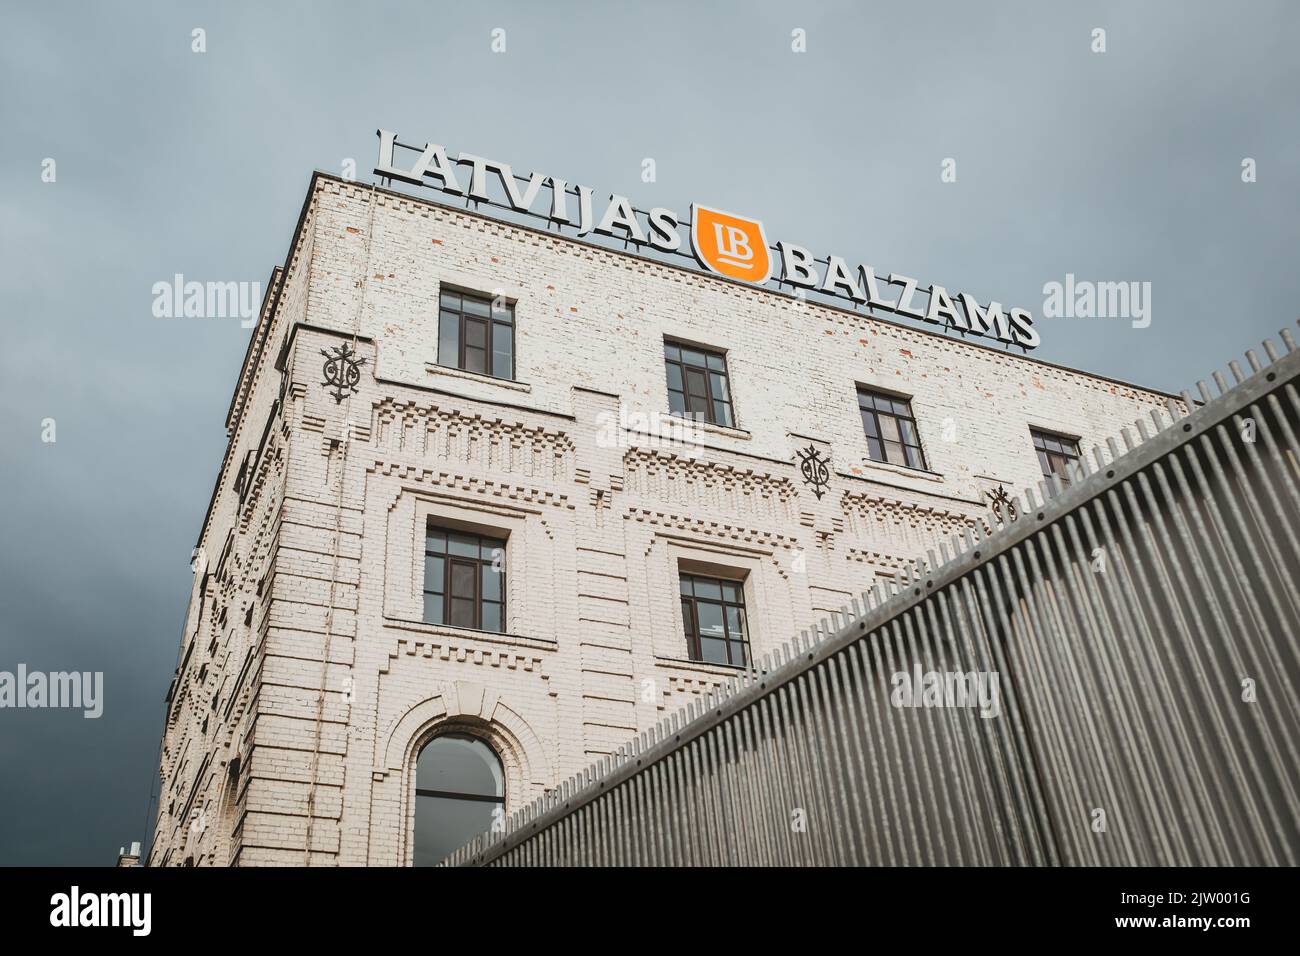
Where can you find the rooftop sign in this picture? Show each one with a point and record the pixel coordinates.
(723, 243)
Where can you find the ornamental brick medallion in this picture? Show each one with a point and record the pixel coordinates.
(342, 371)
(813, 468)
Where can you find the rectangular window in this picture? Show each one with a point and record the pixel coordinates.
(1055, 453)
(713, 613)
(697, 384)
(890, 429)
(464, 580)
(476, 333)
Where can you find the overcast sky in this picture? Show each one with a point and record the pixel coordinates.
(1117, 166)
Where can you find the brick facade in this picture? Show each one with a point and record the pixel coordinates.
(309, 681)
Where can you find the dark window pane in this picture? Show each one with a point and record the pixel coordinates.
(719, 383)
(717, 363)
(464, 545)
(894, 453)
(450, 300)
(433, 572)
(449, 339)
(476, 360)
(908, 431)
(475, 334)
(491, 583)
(686, 584)
(503, 312)
(697, 406)
(674, 375)
(443, 825)
(710, 622)
(889, 429)
(693, 357)
(713, 650)
(481, 307)
(730, 591)
(721, 413)
(462, 580)
(696, 384)
(708, 588)
(503, 351)
(433, 609)
(455, 763)
(677, 402)
(875, 449)
(737, 653)
(436, 541)
(869, 424)
(672, 351)
(492, 617)
(488, 548)
(1044, 463)
(735, 623)
(462, 613)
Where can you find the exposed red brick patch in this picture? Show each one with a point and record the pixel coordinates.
(905, 352)
(353, 230)
(572, 309)
(437, 242)
(550, 288)
(495, 259)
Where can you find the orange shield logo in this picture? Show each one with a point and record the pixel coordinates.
(730, 245)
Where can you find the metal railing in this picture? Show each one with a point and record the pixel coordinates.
(1108, 677)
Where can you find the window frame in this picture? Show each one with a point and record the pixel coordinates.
(481, 565)
(491, 321)
(898, 418)
(1038, 437)
(691, 618)
(671, 345)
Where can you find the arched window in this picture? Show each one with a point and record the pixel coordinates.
(458, 787)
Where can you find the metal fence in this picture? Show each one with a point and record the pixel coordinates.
(1106, 678)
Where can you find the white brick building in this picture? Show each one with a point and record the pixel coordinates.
(316, 662)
